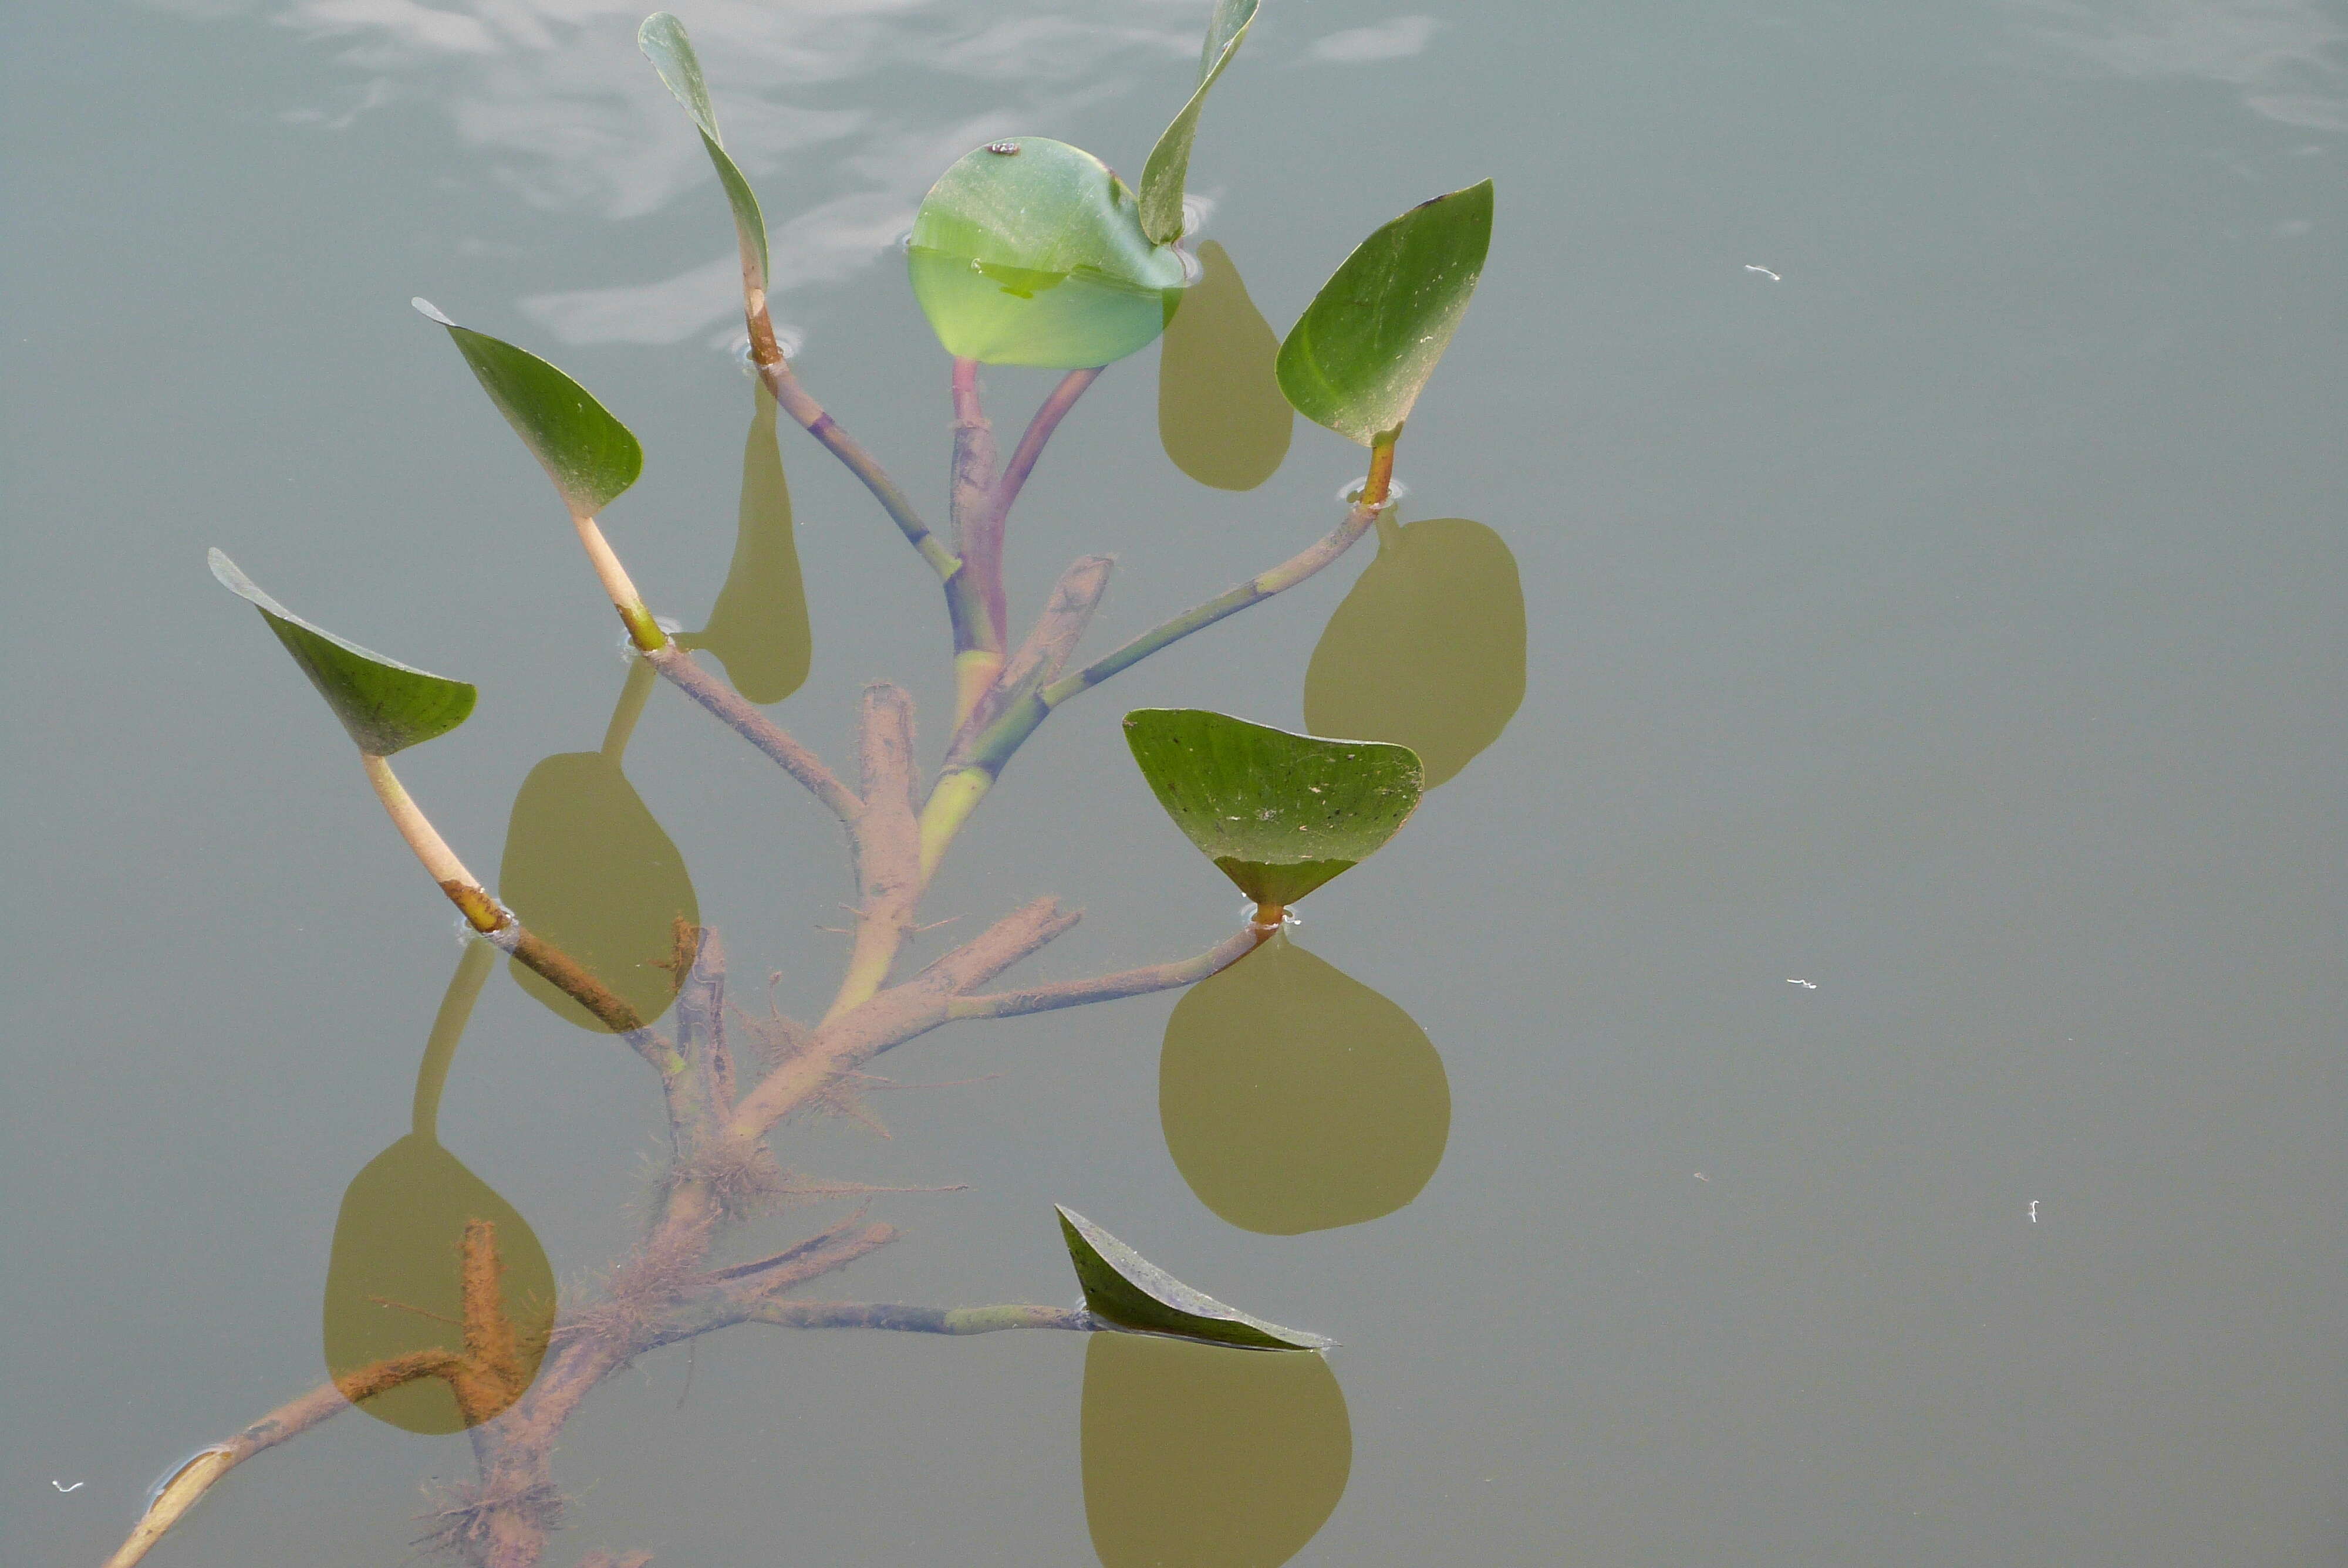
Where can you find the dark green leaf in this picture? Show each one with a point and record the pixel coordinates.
(1030, 251)
(1294, 1098)
(1199, 1457)
(1162, 177)
(1221, 415)
(1124, 1287)
(1282, 814)
(1428, 649)
(1365, 345)
(386, 705)
(664, 41)
(591, 457)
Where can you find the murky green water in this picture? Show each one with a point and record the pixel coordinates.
(1884, 981)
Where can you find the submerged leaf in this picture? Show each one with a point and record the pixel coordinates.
(1280, 813)
(663, 40)
(591, 457)
(1428, 649)
(1294, 1098)
(759, 628)
(1221, 415)
(1196, 1458)
(1357, 357)
(1030, 251)
(1168, 169)
(386, 705)
(1124, 1287)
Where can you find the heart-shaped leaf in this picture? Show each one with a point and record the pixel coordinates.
(1030, 251)
(1197, 1456)
(1221, 415)
(1357, 357)
(1294, 1098)
(664, 41)
(386, 705)
(1428, 649)
(758, 627)
(591, 457)
(1124, 1287)
(1162, 177)
(1281, 813)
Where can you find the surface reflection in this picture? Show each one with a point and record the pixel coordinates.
(1222, 416)
(758, 627)
(439, 1295)
(588, 867)
(1294, 1098)
(1428, 649)
(1198, 1456)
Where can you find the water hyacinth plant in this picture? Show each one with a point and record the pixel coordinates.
(441, 1311)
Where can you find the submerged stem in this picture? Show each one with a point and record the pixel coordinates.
(448, 1028)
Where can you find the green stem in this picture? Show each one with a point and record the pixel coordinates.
(448, 1028)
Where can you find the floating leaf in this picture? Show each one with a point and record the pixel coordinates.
(386, 705)
(759, 628)
(1428, 649)
(591, 457)
(1221, 415)
(1030, 251)
(394, 1282)
(1124, 1287)
(1282, 814)
(1365, 345)
(1294, 1098)
(1198, 1458)
(1163, 177)
(664, 43)
(588, 867)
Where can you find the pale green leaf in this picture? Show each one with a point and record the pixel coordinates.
(386, 705)
(1163, 177)
(663, 40)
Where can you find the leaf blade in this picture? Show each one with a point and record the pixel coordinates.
(385, 705)
(1164, 176)
(591, 457)
(1280, 814)
(1126, 1288)
(1357, 358)
(665, 42)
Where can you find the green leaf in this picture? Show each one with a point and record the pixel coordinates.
(1221, 415)
(1365, 345)
(664, 43)
(1126, 1288)
(1168, 168)
(1428, 649)
(759, 628)
(1198, 1456)
(1294, 1098)
(1282, 814)
(591, 457)
(386, 705)
(1030, 251)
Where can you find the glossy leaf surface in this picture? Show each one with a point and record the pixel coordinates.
(1220, 414)
(1294, 1098)
(1198, 1458)
(1357, 357)
(591, 457)
(386, 705)
(1163, 177)
(1280, 813)
(1126, 1288)
(759, 628)
(665, 42)
(1030, 251)
(1427, 650)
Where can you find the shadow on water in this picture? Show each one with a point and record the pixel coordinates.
(588, 867)
(432, 1272)
(759, 628)
(1198, 1456)
(1294, 1098)
(1427, 650)
(1221, 415)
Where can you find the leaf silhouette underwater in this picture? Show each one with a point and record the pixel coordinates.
(759, 628)
(1221, 415)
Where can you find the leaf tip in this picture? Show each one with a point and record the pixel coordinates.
(430, 311)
